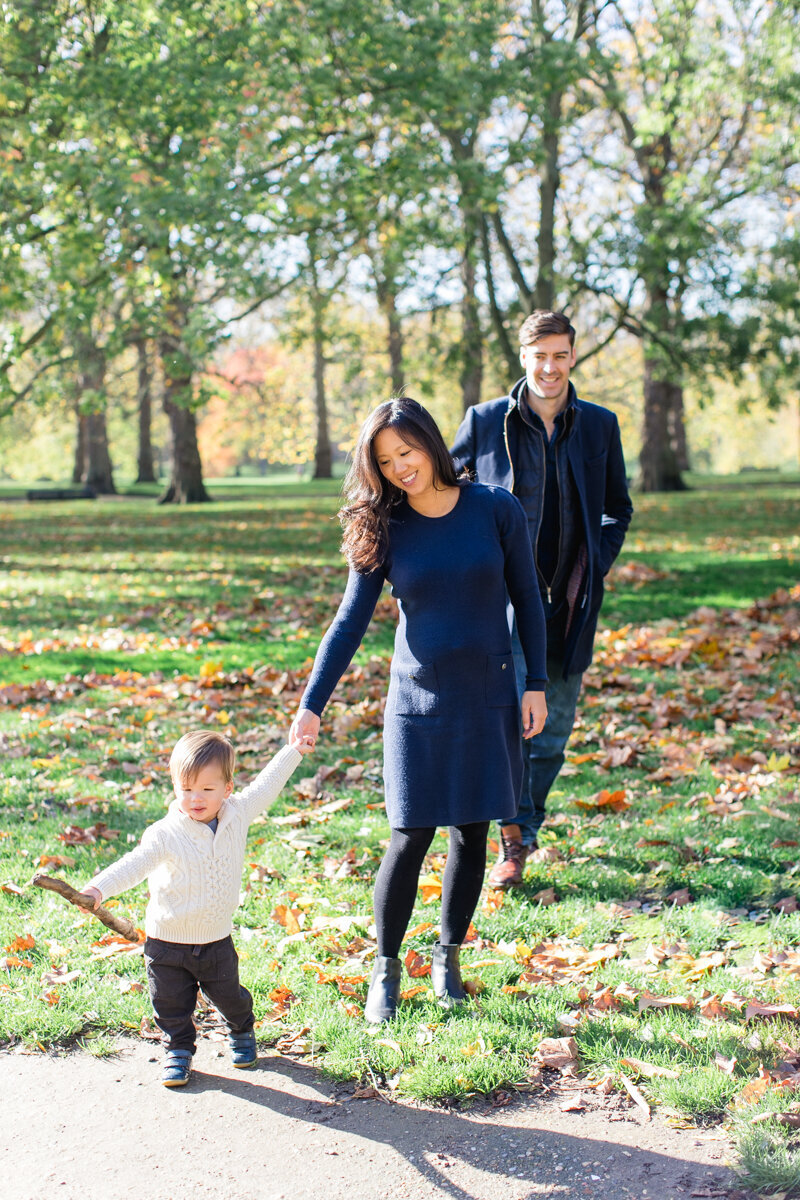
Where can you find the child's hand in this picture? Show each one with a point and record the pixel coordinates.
(92, 894)
(304, 730)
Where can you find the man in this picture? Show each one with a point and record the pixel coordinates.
(563, 458)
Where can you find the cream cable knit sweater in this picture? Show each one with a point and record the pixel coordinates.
(194, 874)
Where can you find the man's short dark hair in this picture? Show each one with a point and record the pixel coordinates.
(541, 324)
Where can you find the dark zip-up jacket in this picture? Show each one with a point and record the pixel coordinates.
(487, 443)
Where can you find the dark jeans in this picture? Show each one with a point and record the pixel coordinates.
(543, 756)
(176, 971)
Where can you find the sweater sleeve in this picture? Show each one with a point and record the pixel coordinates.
(259, 795)
(133, 867)
(343, 637)
(523, 591)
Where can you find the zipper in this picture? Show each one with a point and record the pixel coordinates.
(508, 450)
(560, 517)
(539, 434)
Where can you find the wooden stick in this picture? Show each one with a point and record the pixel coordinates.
(120, 925)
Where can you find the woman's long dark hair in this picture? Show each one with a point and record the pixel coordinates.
(369, 497)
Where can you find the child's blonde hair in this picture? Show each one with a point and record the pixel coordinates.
(196, 750)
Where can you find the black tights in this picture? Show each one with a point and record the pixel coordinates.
(398, 876)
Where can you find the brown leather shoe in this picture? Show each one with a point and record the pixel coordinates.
(507, 873)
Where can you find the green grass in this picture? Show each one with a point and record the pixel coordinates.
(123, 624)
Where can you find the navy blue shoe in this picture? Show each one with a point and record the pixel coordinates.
(177, 1067)
(243, 1049)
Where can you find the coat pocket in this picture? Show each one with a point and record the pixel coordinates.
(501, 683)
(417, 690)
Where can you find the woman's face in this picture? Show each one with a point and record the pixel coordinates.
(402, 464)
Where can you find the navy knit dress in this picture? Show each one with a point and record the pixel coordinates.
(452, 740)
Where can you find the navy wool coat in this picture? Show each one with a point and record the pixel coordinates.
(487, 444)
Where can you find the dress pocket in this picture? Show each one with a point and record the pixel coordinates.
(501, 683)
(417, 690)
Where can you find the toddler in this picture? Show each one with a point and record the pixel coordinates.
(193, 859)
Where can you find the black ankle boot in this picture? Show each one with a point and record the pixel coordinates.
(384, 991)
(446, 975)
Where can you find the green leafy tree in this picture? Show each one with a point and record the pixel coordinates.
(702, 133)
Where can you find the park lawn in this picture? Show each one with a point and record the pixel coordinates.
(658, 930)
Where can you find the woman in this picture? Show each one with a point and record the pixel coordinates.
(452, 749)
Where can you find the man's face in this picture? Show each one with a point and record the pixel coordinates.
(547, 365)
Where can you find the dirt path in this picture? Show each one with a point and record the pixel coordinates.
(81, 1128)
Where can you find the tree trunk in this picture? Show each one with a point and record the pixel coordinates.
(387, 298)
(186, 477)
(79, 462)
(471, 332)
(145, 468)
(97, 472)
(677, 427)
(549, 182)
(659, 469)
(510, 352)
(186, 483)
(658, 464)
(323, 457)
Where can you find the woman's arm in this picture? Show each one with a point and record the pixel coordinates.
(523, 591)
(338, 646)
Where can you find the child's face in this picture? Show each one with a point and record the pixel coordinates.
(201, 798)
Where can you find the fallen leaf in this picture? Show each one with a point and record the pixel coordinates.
(636, 1096)
(649, 1070)
(756, 1009)
(556, 1053)
(25, 941)
(648, 1000)
(430, 888)
(56, 860)
(410, 993)
(288, 918)
(416, 966)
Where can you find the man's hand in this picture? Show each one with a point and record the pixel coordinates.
(304, 731)
(534, 713)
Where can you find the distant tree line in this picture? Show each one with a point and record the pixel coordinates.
(167, 169)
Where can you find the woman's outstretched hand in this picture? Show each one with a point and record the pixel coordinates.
(534, 713)
(304, 731)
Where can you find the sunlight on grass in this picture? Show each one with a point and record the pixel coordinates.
(658, 924)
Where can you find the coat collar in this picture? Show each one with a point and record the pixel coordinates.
(516, 398)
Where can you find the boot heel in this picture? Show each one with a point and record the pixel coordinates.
(446, 975)
(384, 991)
